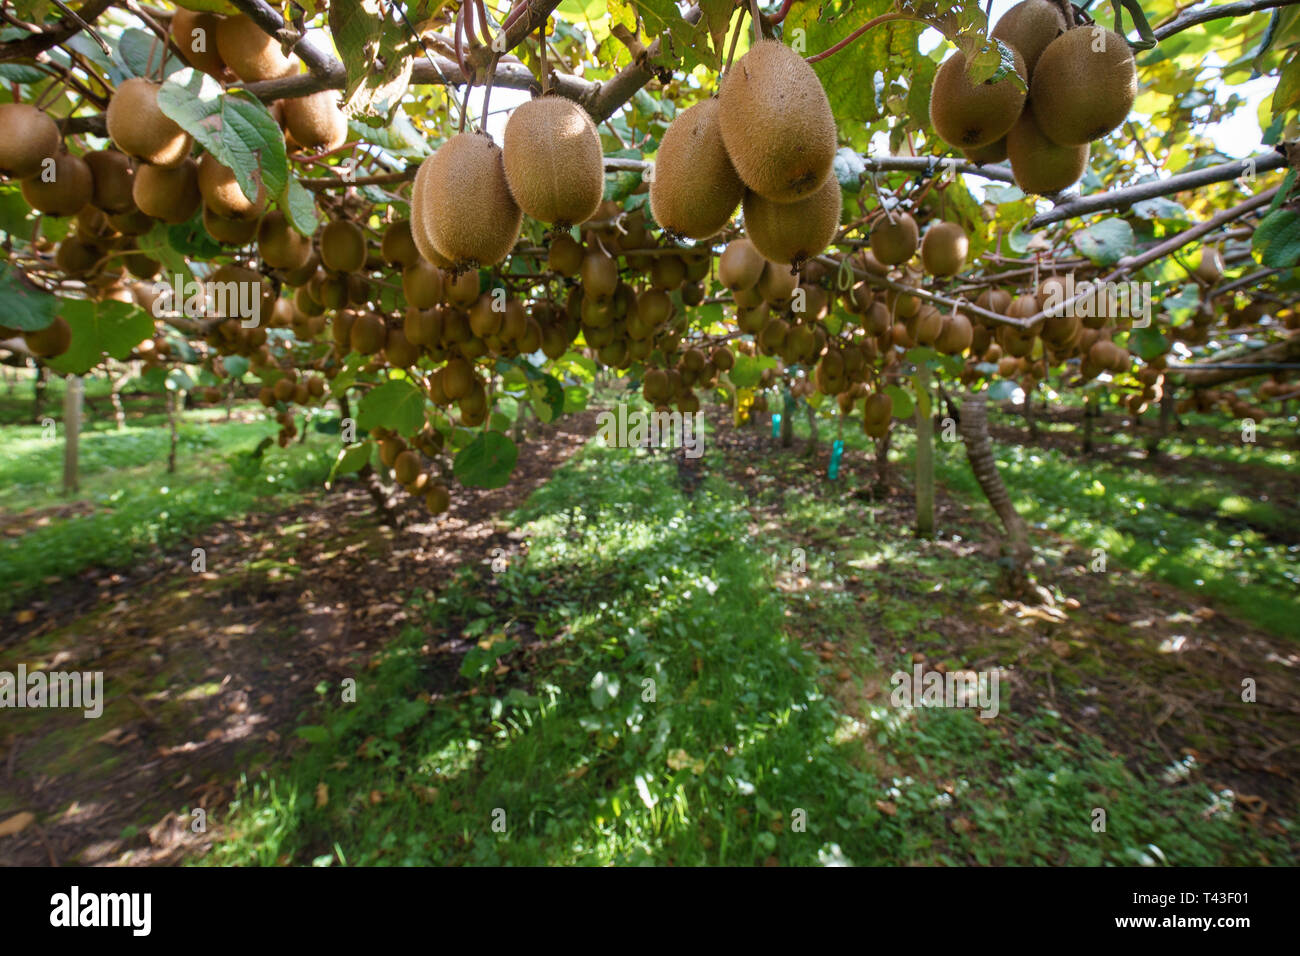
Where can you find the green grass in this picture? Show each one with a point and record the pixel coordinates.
(136, 507)
(731, 749)
(1140, 518)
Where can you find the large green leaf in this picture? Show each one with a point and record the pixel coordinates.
(232, 125)
(397, 404)
(486, 462)
(99, 328)
(1106, 242)
(24, 306)
(1277, 240)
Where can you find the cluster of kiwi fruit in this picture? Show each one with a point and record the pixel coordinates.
(1081, 82)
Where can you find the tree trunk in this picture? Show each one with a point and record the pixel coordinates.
(171, 426)
(924, 454)
(115, 396)
(38, 391)
(1089, 413)
(881, 486)
(72, 403)
(979, 451)
(787, 425)
(811, 448)
(1162, 427)
(1031, 423)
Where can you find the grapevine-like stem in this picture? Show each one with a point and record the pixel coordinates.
(883, 18)
(781, 14)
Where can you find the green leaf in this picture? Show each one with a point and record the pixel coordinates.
(140, 54)
(15, 214)
(749, 369)
(22, 306)
(547, 398)
(903, 403)
(232, 125)
(603, 690)
(236, 366)
(1002, 389)
(1160, 208)
(486, 462)
(1106, 242)
(1147, 343)
(356, 28)
(396, 404)
(1277, 239)
(300, 208)
(313, 733)
(110, 327)
(351, 459)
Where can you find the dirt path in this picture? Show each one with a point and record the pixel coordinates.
(207, 675)
(1152, 671)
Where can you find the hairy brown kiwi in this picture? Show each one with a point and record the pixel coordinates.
(466, 204)
(343, 246)
(1038, 164)
(553, 161)
(789, 233)
(599, 275)
(966, 114)
(992, 153)
(230, 232)
(564, 256)
(139, 128)
(1028, 28)
(315, 121)
(27, 138)
(893, 243)
(1084, 86)
(740, 266)
(170, 194)
(196, 35)
(75, 256)
(944, 248)
(51, 341)
(399, 351)
(419, 230)
(368, 334)
(250, 52)
(422, 283)
(222, 193)
(113, 176)
(279, 244)
(70, 187)
(776, 123)
(398, 246)
(695, 190)
(132, 223)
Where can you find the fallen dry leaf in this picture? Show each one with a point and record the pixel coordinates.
(17, 823)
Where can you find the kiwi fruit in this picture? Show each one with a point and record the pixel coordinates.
(553, 161)
(740, 266)
(27, 138)
(956, 336)
(222, 193)
(250, 52)
(132, 223)
(70, 187)
(599, 275)
(466, 204)
(422, 283)
(789, 233)
(1038, 164)
(398, 246)
(316, 122)
(695, 190)
(195, 34)
(76, 257)
(113, 176)
(1210, 269)
(51, 341)
(944, 248)
(368, 334)
(399, 351)
(992, 153)
(168, 193)
(1084, 86)
(564, 256)
(967, 115)
(776, 123)
(419, 230)
(343, 246)
(279, 244)
(462, 289)
(230, 232)
(776, 285)
(139, 128)
(893, 243)
(1028, 28)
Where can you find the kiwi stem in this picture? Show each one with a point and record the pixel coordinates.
(541, 50)
(735, 36)
(880, 198)
(780, 15)
(883, 18)
(483, 30)
(487, 92)
(757, 17)
(73, 15)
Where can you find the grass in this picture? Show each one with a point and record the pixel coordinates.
(638, 692)
(1182, 528)
(135, 505)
